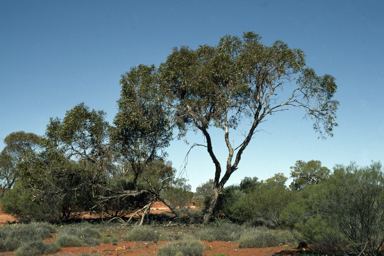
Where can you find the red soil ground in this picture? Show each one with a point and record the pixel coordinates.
(150, 248)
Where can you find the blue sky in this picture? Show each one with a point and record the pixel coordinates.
(56, 54)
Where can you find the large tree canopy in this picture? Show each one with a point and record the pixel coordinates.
(240, 80)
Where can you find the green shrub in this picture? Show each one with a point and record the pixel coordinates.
(170, 237)
(191, 216)
(37, 248)
(185, 247)
(225, 232)
(12, 237)
(69, 241)
(142, 234)
(265, 202)
(344, 214)
(79, 236)
(115, 241)
(178, 196)
(263, 237)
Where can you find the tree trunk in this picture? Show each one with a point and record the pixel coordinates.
(169, 205)
(212, 205)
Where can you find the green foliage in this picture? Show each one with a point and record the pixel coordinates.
(346, 210)
(225, 232)
(262, 204)
(17, 147)
(18, 201)
(142, 124)
(142, 234)
(238, 80)
(60, 180)
(37, 248)
(12, 237)
(179, 195)
(203, 191)
(248, 184)
(170, 237)
(304, 173)
(277, 179)
(185, 247)
(77, 236)
(191, 216)
(262, 237)
(69, 241)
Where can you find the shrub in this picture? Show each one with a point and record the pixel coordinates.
(191, 216)
(12, 237)
(142, 234)
(178, 196)
(37, 248)
(265, 202)
(185, 247)
(225, 232)
(344, 214)
(70, 237)
(170, 237)
(263, 237)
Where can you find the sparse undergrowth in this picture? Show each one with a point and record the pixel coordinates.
(184, 239)
(225, 232)
(184, 247)
(14, 236)
(262, 237)
(78, 236)
(142, 233)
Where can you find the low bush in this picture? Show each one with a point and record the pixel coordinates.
(343, 215)
(142, 234)
(185, 247)
(170, 237)
(37, 248)
(263, 237)
(12, 237)
(69, 237)
(225, 232)
(191, 216)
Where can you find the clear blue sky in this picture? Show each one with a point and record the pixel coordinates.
(56, 54)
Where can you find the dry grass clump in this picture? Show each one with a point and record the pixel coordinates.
(79, 236)
(142, 234)
(263, 237)
(225, 232)
(37, 248)
(14, 236)
(185, 247)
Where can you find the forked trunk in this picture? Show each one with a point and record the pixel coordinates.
(212, 205)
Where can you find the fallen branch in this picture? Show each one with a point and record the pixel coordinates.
(136, 212)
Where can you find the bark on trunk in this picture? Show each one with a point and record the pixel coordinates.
(212, 205)
(170, 206)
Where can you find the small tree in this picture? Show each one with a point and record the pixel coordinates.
(142, 129)
(17, 147)
(304, 173)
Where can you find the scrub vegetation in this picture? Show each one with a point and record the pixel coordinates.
(84, 165)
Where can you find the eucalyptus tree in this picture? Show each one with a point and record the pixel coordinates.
(240, 80)
(75, 160)
(17, 147)
(143, 130)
